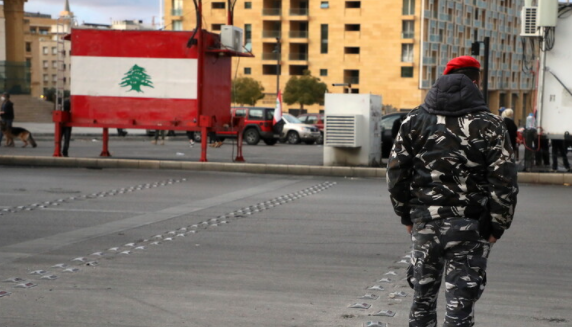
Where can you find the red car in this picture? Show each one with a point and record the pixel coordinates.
(258, 125)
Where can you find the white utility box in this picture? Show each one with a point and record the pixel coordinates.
(352, 134)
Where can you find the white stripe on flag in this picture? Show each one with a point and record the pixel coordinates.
(103, 76)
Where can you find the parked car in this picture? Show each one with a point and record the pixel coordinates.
(258, 125)
(295, 131)
(386, 126)
(317, 120)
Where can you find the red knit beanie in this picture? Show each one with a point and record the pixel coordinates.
(461, 62)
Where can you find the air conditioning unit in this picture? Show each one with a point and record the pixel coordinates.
(343, 131)
(231, 38)
(528, 25)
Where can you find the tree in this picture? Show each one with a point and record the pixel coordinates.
(246, 90)
(135, 78)
(305, 90)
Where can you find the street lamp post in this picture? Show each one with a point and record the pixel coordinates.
(475, 50)
(278, 55)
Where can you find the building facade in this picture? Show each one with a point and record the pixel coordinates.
(396, 49)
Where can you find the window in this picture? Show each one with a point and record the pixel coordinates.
(353, 4)
(408, 7)
(256, 114)
(353, 27)
(240, 113)
(324, 39)
(408, 29)
(351, 50)
(407, 53)
(247, 70)
(407, 72)
(45, 64)
(218, 5)
(54, 50)
(323, 72)
(46, 78)
(54, 78)
(177, 8)
(45, 50)
(54, 64)
(28, 47)
(177, 25)
(324, 5)
(247, 33)
(216, 27)
(247, 5)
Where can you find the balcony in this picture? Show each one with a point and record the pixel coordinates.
(299, 34)
(270, 56)
(407, 35)
(299, 11)
(298, 56)
(271, 34)
(271, 12)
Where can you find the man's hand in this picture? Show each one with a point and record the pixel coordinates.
(409, 228)
(492, 239)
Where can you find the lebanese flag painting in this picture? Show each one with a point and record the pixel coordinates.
(121, 77)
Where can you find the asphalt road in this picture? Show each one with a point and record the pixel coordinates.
(175, 148)
(191, 248)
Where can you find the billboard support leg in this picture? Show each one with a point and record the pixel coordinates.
(204, 139)
(105, 150)
(239, 157)
(58, 140)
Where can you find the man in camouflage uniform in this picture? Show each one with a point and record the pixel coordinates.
(452, 180)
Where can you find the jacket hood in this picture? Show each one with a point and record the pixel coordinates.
(454, 95)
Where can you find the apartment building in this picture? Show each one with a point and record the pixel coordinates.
(396, 48)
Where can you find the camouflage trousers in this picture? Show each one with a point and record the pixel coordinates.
(452, 246)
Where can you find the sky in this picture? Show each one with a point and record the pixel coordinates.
(100, 11)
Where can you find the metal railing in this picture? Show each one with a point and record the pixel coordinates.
(407, 35)
(271, 12)
(299, 11)
(271, 33)
(298, 56)
(299, 34)
(269, 56)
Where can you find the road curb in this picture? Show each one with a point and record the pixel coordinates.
(360, 172)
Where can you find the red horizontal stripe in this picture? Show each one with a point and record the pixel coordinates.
(133, 111)
(137, 44)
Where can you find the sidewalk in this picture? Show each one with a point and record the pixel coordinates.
(134, 152)
(47, 129)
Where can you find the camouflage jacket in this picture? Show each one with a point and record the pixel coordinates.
(453, 158)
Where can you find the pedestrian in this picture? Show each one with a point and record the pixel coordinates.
(6, 113)
(121, 132)
(559, 146)
(66, 130)
(191, 137)
(157, 132)
(530, 139)
(507, 117)
(452, 180)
